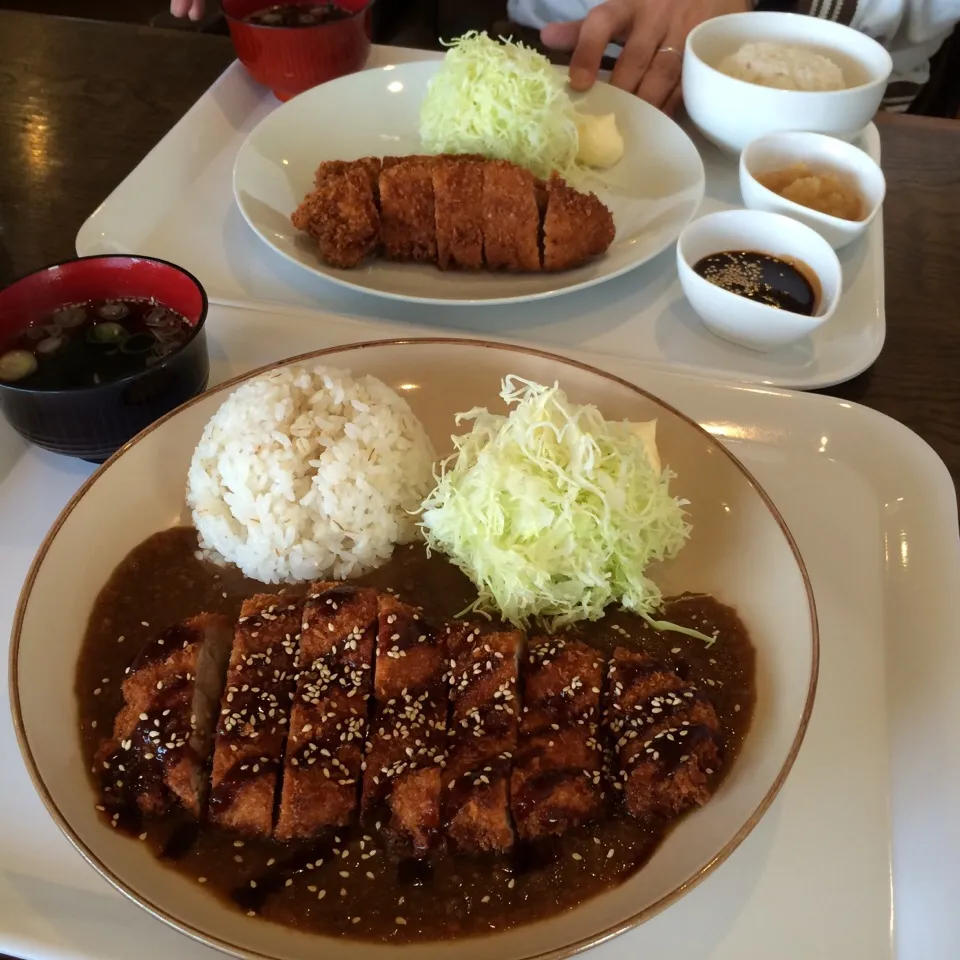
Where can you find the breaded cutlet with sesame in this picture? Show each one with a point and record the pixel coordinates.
(666, 736)
(341, 215)
(557, 778)
(328, 719)
(511, 220)
(252, 729)
(458, 202)
(157, 758)
(483, 737)
(576, 226)
(407, 220)
(408, 732)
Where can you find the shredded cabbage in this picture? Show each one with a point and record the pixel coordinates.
(502, 100)
(553, 512)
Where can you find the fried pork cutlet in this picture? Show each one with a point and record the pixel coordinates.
(328, 719)
(511, 220)
(576, 226)
(666, 736)
(157, 758)
(409, 730)
(407, 219)
(432, 159)
(557, 773)
(341, 215)
(483, 737)
(458, 193)
(252, 730)
(371, 166)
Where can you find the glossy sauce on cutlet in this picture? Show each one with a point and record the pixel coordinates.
(349, 883)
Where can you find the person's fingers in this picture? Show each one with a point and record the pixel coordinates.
(196, 9)
(664, 73)
(639, 52)
(602, 24)
(179, 8)
(561, 36)
(673, 101)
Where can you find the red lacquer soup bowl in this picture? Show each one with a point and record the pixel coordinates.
(291, 59)
(93, 421)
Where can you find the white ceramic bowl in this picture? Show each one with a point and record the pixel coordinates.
(732, 112)
(741, 551)
(821, 154)
(747, 322)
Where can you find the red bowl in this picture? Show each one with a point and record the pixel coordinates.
(92, 422)
(290, 60)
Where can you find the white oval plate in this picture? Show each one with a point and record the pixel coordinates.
(740, 551)
(653, 191)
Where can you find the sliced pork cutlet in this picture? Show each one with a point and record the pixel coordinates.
(576, 226)
(483, 737)
(407, 218)
(511, 220)
(408, 734)
(328, 719)
(341, 215)
(432, 158)
(557, 779)
(666, 736)
(252, 729)
(369, 165)
(158, 756)
(458, 196)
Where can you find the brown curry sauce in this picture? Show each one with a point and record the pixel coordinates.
(350, 883)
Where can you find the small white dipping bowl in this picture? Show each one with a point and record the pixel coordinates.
(733, 112)
(745, 322)
(821, 154)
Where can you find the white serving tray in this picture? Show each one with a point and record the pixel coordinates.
(178, 205)
(857, 857)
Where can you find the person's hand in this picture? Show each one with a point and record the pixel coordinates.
(645, 28)
(187, 8)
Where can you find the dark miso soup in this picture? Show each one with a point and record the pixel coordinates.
(83, 344)
(297, 15)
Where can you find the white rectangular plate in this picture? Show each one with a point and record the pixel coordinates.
(865, 821)
(178, 205)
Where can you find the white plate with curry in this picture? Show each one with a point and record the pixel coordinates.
(120, 565)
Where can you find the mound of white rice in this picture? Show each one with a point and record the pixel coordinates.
(308, 473)
(784, 66)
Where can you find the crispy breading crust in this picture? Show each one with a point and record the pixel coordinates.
(157, 757)
(511, 221)
(458, 197)
(666, 736)
(407, 743)
(341, 215)
(483, 737)
(557, 781)
(328, 719)
(576, 226)
(252, 731)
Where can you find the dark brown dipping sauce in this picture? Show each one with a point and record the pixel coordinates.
(369, 892)
(761, 277)
(297, 15)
